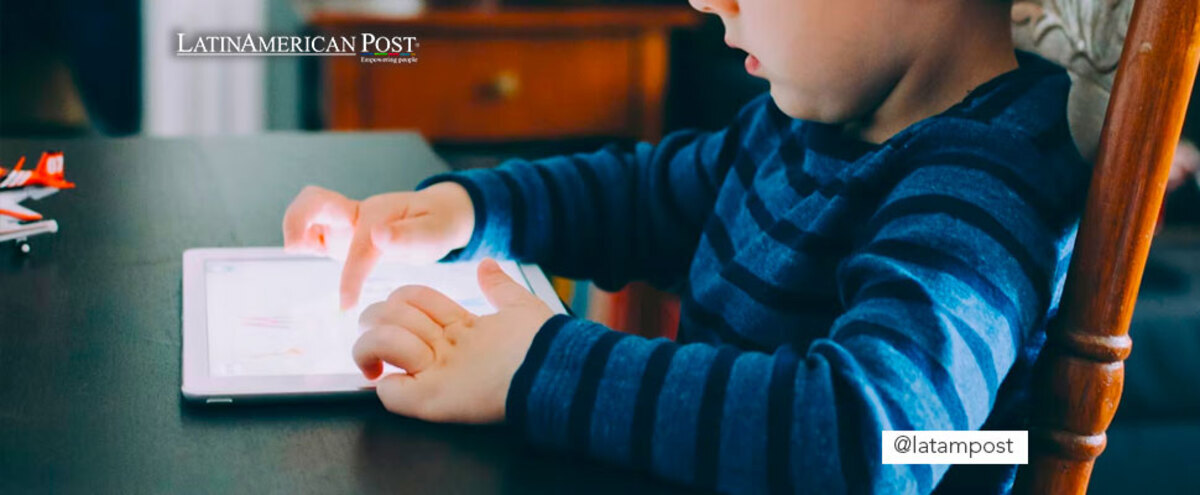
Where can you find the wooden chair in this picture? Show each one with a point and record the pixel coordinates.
(1080, 372)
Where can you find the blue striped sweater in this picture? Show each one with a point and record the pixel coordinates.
(831, 289)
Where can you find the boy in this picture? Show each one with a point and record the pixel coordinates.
(876, 245)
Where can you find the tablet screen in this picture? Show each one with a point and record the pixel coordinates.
(274, 317)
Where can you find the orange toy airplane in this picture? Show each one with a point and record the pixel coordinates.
(18, 223)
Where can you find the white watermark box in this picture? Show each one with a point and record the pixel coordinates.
(956, 447)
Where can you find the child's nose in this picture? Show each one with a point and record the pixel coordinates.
(719, 7)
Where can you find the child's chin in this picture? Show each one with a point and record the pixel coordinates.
(792, 105)
(811, 109)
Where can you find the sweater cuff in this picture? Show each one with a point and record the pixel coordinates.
(491, 200)
(540, 398)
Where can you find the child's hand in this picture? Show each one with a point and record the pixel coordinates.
(458, 365)
(416, 227)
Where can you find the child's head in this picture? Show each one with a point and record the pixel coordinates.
(837, 60)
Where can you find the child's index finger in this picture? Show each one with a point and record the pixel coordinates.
(360, 260)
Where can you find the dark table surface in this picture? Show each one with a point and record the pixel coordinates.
(90, 336)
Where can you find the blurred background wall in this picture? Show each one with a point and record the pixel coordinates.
(202, 95)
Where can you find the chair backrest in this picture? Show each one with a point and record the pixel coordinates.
(1145, 56)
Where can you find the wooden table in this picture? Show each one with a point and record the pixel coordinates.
(90, 337)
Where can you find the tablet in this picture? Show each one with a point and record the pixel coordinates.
(261, 324)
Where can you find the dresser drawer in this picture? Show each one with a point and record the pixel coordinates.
(503, 88)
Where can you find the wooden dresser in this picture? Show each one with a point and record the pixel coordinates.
(507, 75)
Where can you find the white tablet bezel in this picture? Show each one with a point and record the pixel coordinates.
(200, 385)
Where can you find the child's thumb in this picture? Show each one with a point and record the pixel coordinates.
(500, 289)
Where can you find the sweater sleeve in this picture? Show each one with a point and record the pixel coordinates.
(611, 216)
(957, 268)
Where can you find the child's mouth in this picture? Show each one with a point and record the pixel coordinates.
(752, 64)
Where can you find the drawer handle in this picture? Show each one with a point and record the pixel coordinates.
(504, 85)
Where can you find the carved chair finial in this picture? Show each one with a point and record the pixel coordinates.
(1085, 37)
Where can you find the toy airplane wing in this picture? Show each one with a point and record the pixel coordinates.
(12, 209)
